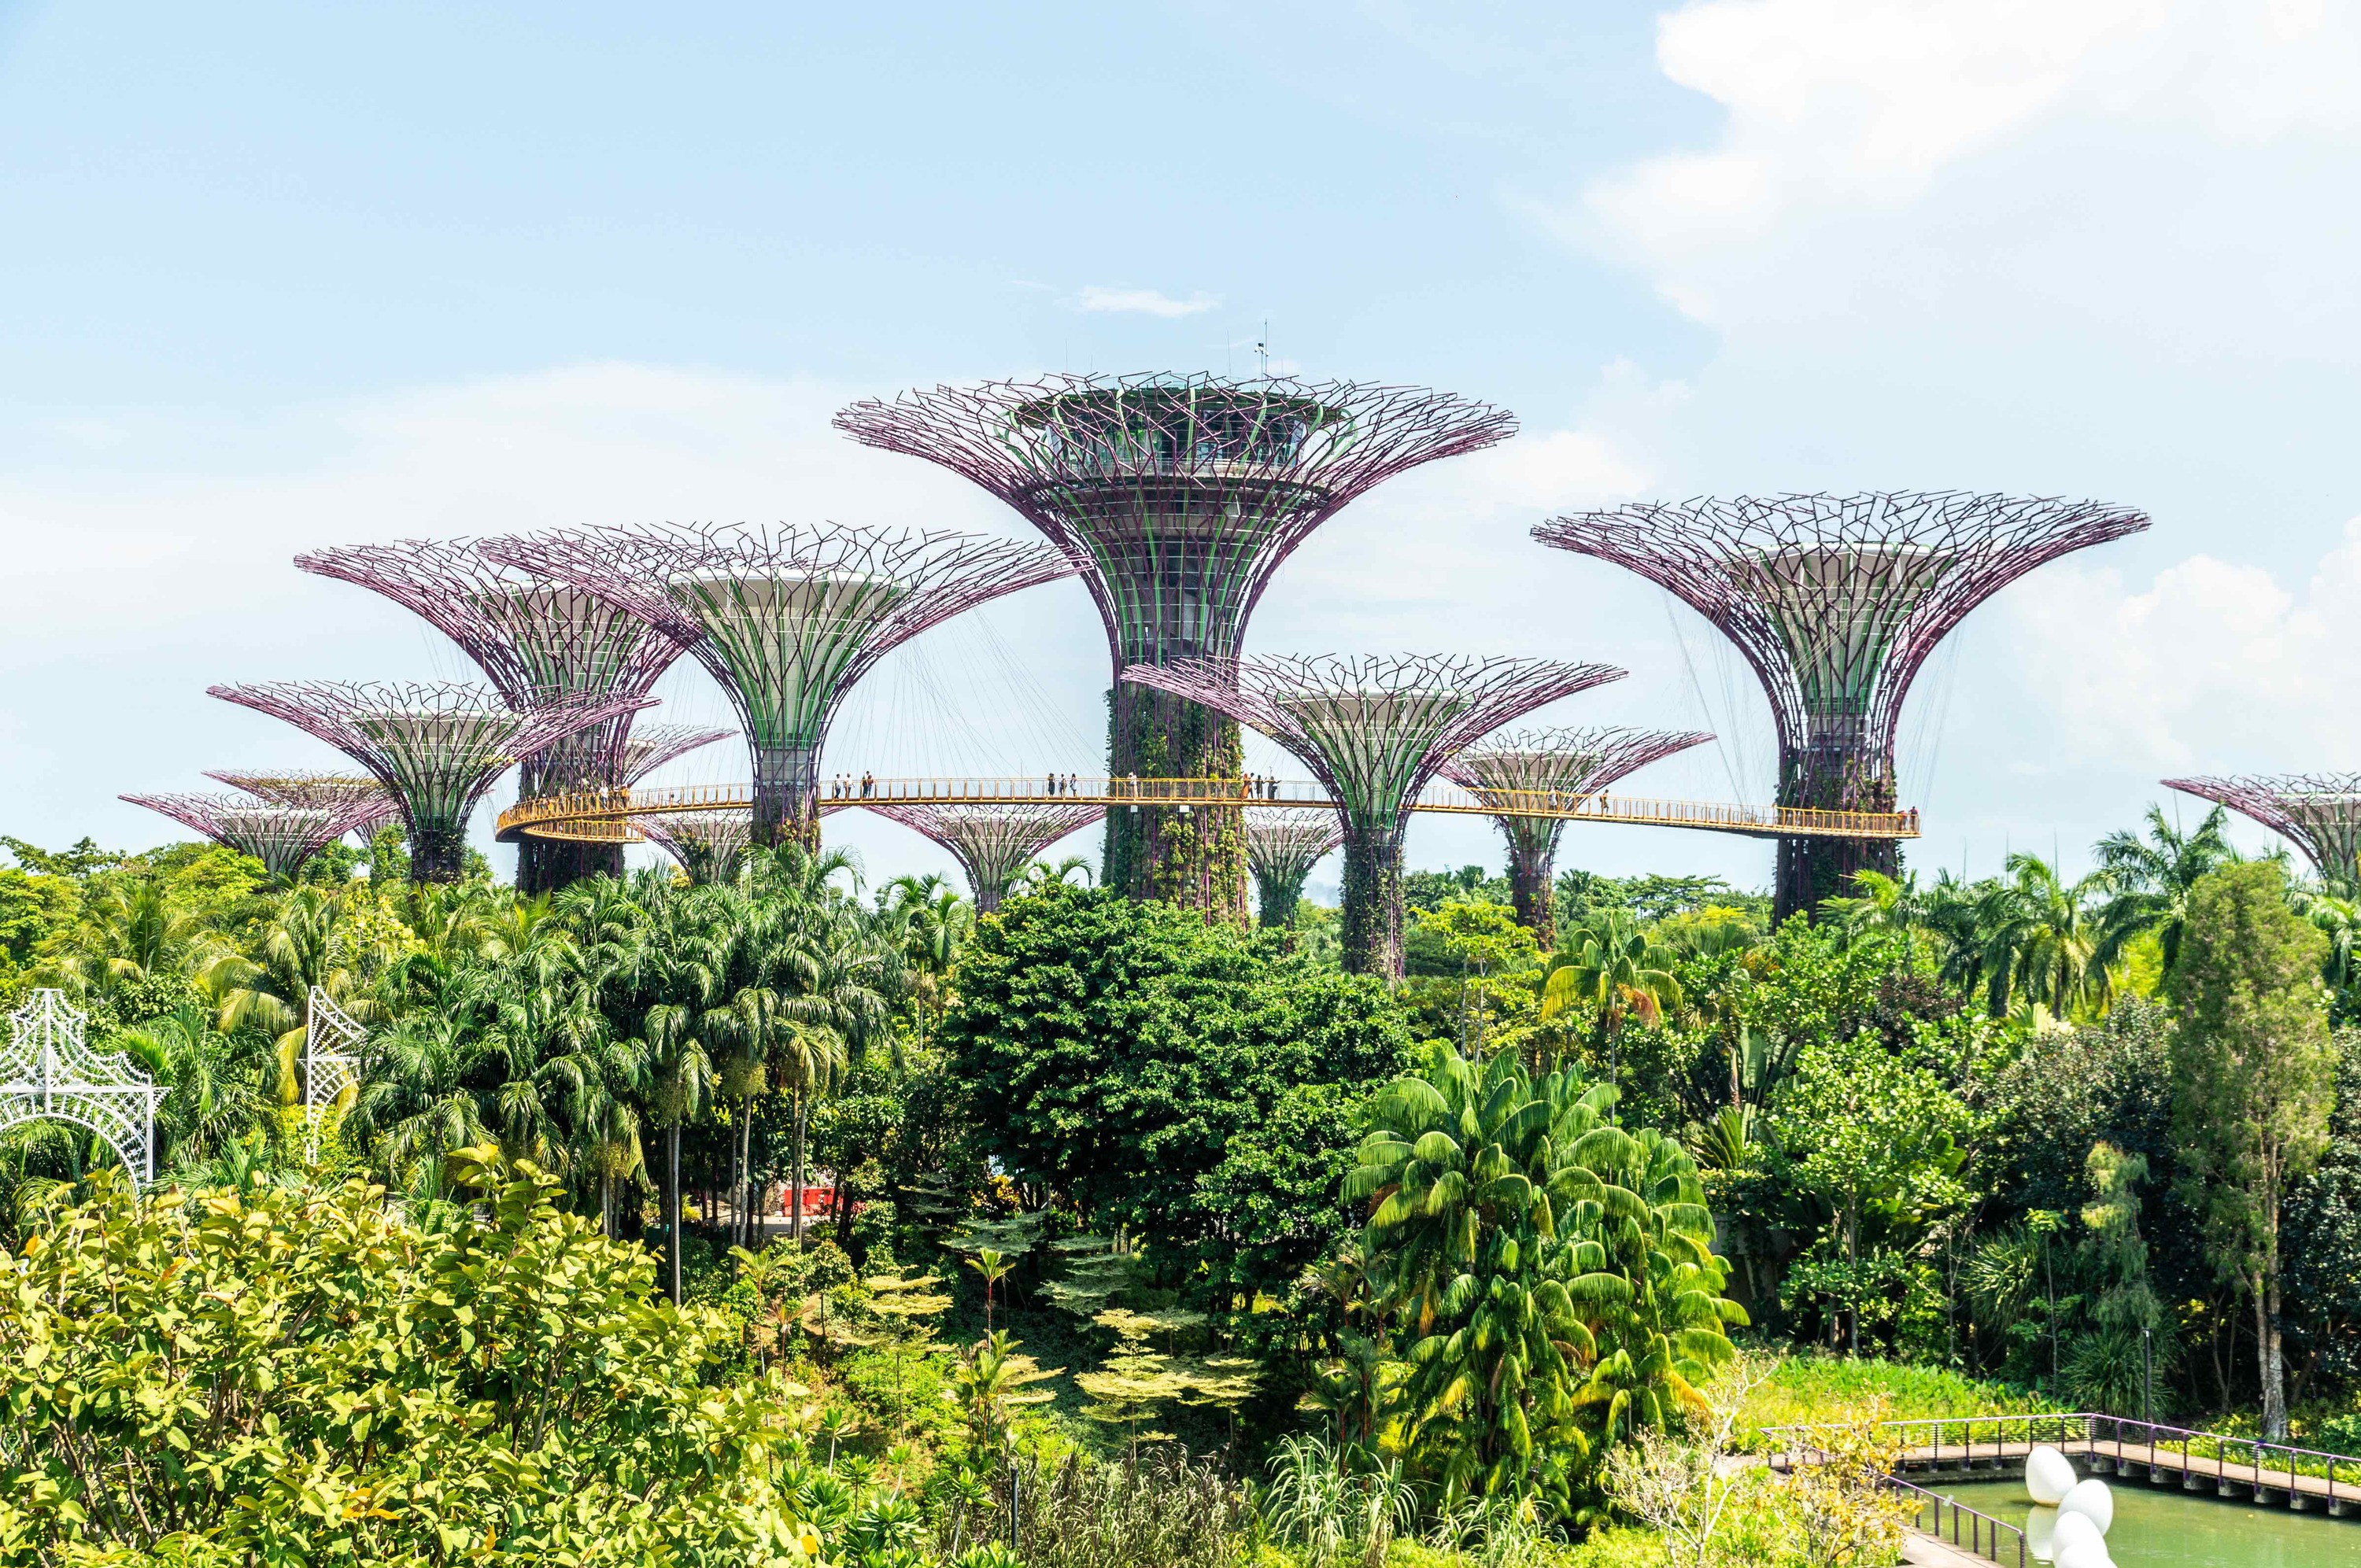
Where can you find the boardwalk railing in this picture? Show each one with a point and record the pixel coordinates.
(2305, 1475)
(606, 816)
(1964, 1527)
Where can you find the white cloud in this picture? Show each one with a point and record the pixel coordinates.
(1097, 298)
(2216, 666)
(1837, 105)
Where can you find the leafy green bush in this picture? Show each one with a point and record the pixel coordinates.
(303, 1377)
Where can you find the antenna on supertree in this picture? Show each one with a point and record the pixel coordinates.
(282, 836)
(1282, 846)
(1180, 496)
(709, 846)
(1836, 601)
(437, 747)
(992, 842)
(787, 620)
(2318, 813)
(649, 748)
(309, 787)
(535, 641)
(1374, 730)
(1549, 766)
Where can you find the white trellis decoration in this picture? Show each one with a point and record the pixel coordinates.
(46, 1070)
(332, 1064)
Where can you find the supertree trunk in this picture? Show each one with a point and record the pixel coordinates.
(1529, 891)
(786, 796)
(1370, 923)
(438, 852)
(1811, 870)
(1199, 858)
(1275, 906)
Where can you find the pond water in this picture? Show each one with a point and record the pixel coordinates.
(2159, 1527)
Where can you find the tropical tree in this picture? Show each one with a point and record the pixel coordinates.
(2044, 940)
(1612, 967)
(2152, 877)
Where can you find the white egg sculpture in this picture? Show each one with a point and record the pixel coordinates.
(2092, 1500)
(2083, 1554)
(2075, 1533)
(2049, 1474)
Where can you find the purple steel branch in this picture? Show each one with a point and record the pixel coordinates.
(787, 619)
(2320, 813)
(992, 843)
(282, 836)
(437, 747)
(1374, 730)
(311, 788)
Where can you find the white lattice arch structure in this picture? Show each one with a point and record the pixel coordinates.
(332, 1064)
(47, 1071)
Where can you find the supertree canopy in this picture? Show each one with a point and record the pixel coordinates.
(1282, 846)
(535, 641)
(708, 845)
(992, 843)
(1180, 496)
(651, 746)
(1374, 730)
(1544, 768)
(437, 747)
(308, 787)
(282, 836)
(1836, 601)
(787, 620)
(2318, 813)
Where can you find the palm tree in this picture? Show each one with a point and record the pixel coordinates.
(2046, 943)
(302, 946)
(132, 930)
(933, 923)
(810, 1057)
(1614, 967)
(1891, 906)
(208, 1074)
(2152, 877)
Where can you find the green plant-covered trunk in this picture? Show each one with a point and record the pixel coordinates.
(1529, 892)
(1814, 868)
(1370, 923)
(1276, 898)
(438, 852)
(1196, 857)
(796, 1175)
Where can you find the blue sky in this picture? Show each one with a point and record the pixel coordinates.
(284, 276)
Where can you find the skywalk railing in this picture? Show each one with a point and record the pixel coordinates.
(605, 815)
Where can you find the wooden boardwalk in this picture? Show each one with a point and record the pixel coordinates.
(2265, 1476)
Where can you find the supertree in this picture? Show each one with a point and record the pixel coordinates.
(437, 747)
(535, 641)
(1544, 768)
(1836, 601)
(282, 836)
(309, 787)
(2318, 813)
(1374, 730)
(707, 845)
(787, 620)
(992, 843)
(1282, 846)
(1180, 496)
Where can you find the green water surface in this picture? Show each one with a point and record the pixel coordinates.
(2157, 1526)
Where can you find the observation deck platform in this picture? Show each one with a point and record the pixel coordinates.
(607, 818)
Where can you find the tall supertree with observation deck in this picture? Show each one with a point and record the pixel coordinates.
(1181, 495)
(536, 641)
(282, 836)
(1374, 730)
(787, 619)
(1549, 767)
(2318, 813)
(994, 842)
(1282, 846)
(436, 747)
(1836, 601)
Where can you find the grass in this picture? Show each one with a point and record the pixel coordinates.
(1811, 1386)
